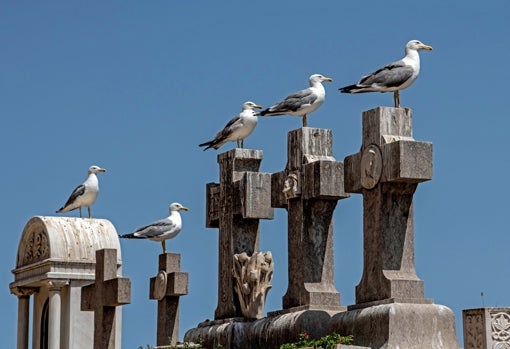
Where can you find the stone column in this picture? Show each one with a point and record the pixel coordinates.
(309, 189)
(55, 311)
(235, 206)
(23, 294)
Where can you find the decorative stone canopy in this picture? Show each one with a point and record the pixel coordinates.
(52, 248)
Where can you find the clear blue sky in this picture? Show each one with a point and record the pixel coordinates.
(135, 86)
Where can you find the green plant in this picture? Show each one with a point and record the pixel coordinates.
(326, 342)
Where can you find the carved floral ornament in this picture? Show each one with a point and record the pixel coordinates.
(253, 277)
(500, 326)
(34, 248)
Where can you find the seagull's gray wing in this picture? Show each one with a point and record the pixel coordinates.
(155, 229)
(294, 101)
(392, 75)
(234, 123)
(78, 191)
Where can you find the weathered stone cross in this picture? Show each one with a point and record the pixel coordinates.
(235, 206)
(101, 297)
(309, 189)
(167, 287)
(386, 172)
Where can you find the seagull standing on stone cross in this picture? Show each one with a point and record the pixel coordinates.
(237, 129)
(85, 194)
(393, 77)
(161, 230)
(303, 102)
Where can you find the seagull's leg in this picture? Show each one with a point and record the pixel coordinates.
(239, 143)
(304, 120)
(80, 213)
(164, 246)
(88, 207)
(242, 143)
(396, 98)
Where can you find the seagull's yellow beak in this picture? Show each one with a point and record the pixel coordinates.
(426, 47)
(183, 208)
(102, 170)
(327, 79)
(257, 106)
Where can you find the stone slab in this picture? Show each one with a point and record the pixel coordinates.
(399, 325)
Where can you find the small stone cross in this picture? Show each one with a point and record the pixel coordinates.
(386, 172)
(103, 296)
(235, 206)
(167, 287)
(309, 189)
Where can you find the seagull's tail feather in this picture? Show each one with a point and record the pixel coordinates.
(130, 236)
(215, 143)
(269, 112)
(349, 89)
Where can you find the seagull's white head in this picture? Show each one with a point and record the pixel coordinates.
(250, 106)
(96, 169)
(318, 78)
(177, 207)
(417, 45)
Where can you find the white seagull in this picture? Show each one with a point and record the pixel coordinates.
(395, 76)
(161, 230)
(85, 194)
(303, 102)
(237, 129)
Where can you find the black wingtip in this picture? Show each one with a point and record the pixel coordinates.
(347, 89)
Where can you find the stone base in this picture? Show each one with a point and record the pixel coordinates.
(399, 325)
(266, 333)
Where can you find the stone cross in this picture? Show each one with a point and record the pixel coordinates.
(309, 189)
(235, 206)
(386, 172)
(101, 297)
(167, 287)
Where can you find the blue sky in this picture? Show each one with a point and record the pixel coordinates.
(135, 86)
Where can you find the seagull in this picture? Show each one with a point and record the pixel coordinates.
(237, 129)
(395, 76)
(85, 194)
(303, 102)
(161, 230)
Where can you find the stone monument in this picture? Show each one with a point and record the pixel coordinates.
(390, 309)
(104, 296)
(486, 328)
(309, 189)
(167, 287)
(56, 258)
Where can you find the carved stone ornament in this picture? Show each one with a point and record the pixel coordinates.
(500, 328)
(371, 166)
(290, 187)
(474, 329)
(35, 248)
(253, 277)
(160, 285)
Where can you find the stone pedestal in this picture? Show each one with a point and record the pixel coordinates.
(486, 328)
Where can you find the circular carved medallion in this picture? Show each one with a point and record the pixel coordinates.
(371, 166)
(160, 285)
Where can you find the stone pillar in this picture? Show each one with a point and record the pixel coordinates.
(390, 309)
(55, 311)
(309, 189)
(167, 287)
(235, 206)
(486, 328)
(23, 294)
(103, 296)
